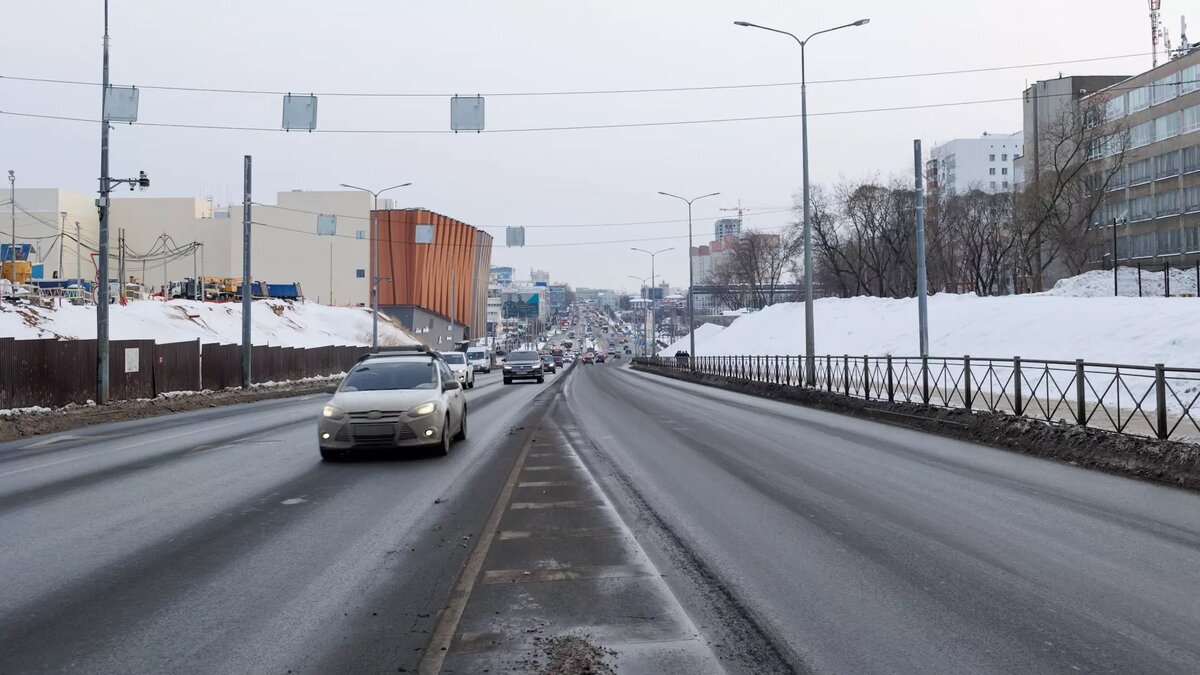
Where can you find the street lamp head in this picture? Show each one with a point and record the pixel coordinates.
(742, 23)
(862, 22)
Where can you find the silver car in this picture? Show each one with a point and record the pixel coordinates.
(461, 367)
(392, 400)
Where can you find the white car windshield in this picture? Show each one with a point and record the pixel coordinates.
(383, 376)
(476, 354)
(454, 358)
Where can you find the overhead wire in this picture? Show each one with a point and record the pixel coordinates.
(588, 92)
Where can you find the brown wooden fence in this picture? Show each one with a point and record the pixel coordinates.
(54, 373)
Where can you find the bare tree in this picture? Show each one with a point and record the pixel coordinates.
(1079, 153)
(753, 265)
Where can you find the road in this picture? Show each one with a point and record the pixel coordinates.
(694, 530)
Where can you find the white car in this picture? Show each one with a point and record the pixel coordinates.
(481, 360)
(392, 400)
(461, 368)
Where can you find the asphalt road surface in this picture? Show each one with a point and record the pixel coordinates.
(691, 529)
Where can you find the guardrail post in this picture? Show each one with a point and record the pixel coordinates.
(925, 380)
(1018, 403)
(966, 373)
(828, 373)
(1080, 387)
(1160, 396)
(787, 370)
(846, 373)
(891, 384)
(866, 377)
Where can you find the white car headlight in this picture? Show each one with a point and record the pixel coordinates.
(332, 412)
(422, 409)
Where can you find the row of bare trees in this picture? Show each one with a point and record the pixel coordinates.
(989, 243)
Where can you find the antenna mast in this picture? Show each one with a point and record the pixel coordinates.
(1155, 30)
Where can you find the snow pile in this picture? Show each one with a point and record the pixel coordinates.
(684, 344)
(1043, 326)
(279, 323)
(1099, 283)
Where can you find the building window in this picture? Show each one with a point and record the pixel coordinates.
(360, 234)
(1004, 171)
(1191, 199)
(991, 158)
(1166, 127)
(1141, 172)
(1166, 165)
(1004, 184)
(1115, 108)
(1004, 157)
(1191, 159)
(360, 273)
(1141, 208)
(1117, 181)
(1167, 203)
(1191, 239)
(993, 185)
(1191, 119)
(1166, 89)
(992, 171)
(1189, 79)
(1139, 99)
(1123, 247)
(1141, 135)
(1144, 245)
(1170, 242)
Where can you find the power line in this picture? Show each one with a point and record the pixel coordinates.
(586, 127)
(550, 227)
(590, 92)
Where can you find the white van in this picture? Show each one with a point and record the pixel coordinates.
(480, 358)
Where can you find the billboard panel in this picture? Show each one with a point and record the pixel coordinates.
(519, 305)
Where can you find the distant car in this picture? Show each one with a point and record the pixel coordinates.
(523, 365)
(394, 399)
(599, 358)
(586, 358)
(461, 368)
(548, 364)
(616, 355)
(480, 360)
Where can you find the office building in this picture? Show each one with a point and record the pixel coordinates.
(965, 164)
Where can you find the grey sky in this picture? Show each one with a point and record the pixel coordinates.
(552, 178)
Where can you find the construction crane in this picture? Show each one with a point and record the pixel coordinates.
(740, 212)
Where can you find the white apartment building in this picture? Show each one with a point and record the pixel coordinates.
(285, 244)
(965, 164)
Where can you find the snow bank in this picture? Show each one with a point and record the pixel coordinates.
(1044, 326)
(1099, 284)
(684, 344)
(274, 322)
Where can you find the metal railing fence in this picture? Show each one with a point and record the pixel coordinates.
(1154, 401)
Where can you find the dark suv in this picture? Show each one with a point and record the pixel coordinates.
(523, 365)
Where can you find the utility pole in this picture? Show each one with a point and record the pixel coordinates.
(78, 256)
(12, 203)
(922, 301)
(62, 241)
(246, 374)
(453, 335)
(196, 271)
(203, 295)
(102, 204)
(121, 265)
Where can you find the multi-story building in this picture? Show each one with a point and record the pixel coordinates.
(438, 290)
(539, 276)
(502, 275)
(727, 227)
(965, 164)
(1153, 201)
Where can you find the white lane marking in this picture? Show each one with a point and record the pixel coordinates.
(294, 500)
(99, 453)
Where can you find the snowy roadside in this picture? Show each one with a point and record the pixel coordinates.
(26, 422)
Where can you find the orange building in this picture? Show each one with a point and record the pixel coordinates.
(429, 287)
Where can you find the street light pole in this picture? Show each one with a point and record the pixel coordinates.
(375, 245)
(652, 255)
(12, 203)
(810, 372)
(691, 275)
(642, 284)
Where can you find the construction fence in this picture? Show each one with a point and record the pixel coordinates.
(1155, 401)
(53, 373)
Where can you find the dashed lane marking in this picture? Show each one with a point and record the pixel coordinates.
(548, 483)
(562, 533)
(568, 574)
(575, 504)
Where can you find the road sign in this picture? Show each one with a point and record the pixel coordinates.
(466, 113)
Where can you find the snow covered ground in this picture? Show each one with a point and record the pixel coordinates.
(275, 322)
(1078, 319)
(684, 344)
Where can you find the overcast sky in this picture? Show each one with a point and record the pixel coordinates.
(554, 178)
